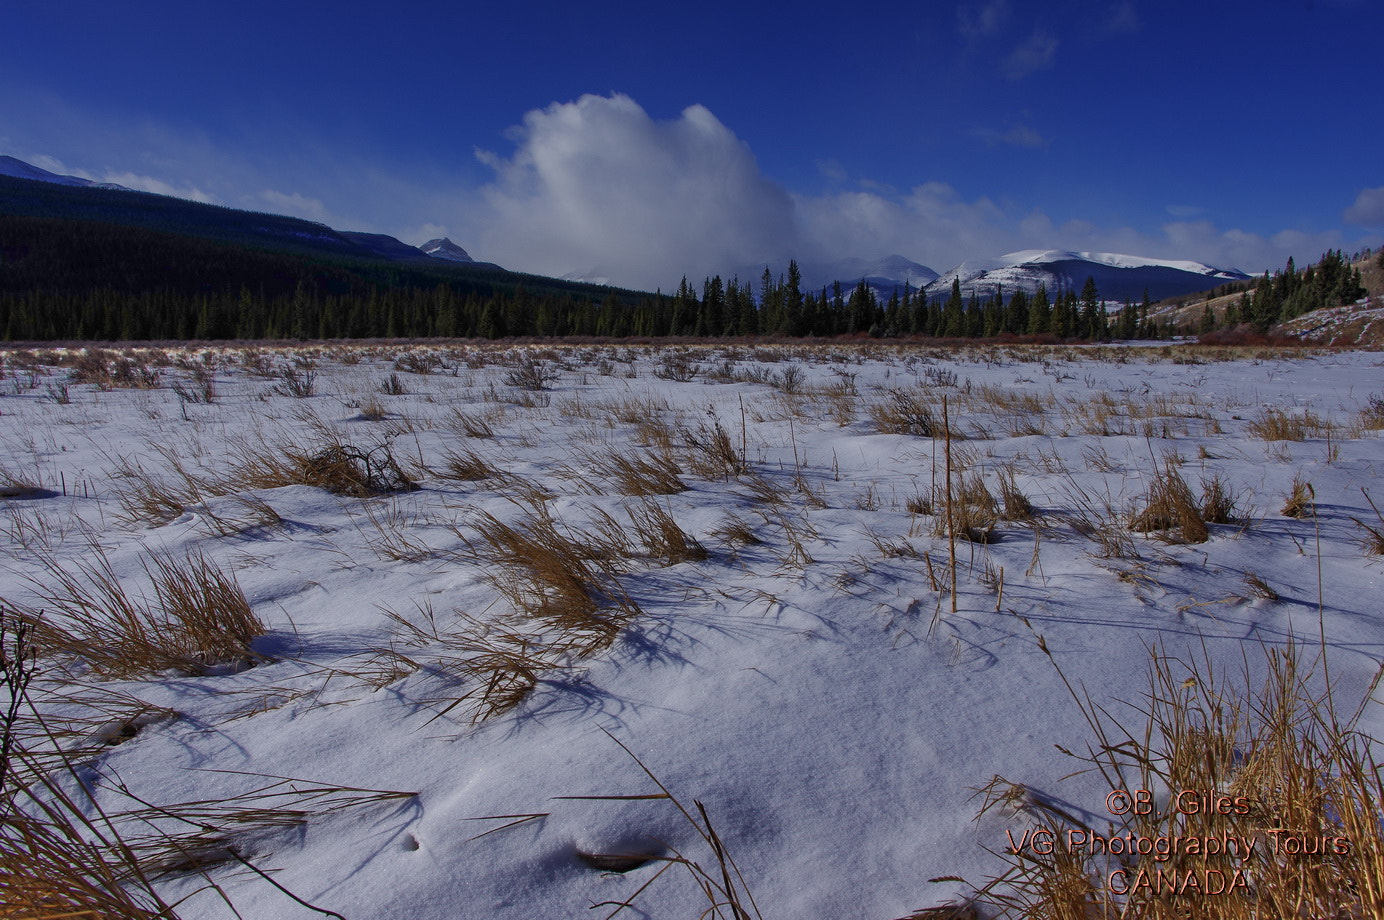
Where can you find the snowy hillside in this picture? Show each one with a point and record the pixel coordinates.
(18, 169)
(1118, 277)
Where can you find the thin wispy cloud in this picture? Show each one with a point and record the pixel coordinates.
(1037, 52)
(977, 20)
(1017, 136)
(1120, 19)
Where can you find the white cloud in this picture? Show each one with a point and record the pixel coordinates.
(597, 184)
(293, 204)
(158, 186)
(1368, 209)
(1035, 54)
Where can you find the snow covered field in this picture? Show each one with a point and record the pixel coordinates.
(731, 563)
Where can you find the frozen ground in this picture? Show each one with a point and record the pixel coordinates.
(807, 681)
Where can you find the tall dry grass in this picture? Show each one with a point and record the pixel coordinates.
(197, 620)
(1280, 769)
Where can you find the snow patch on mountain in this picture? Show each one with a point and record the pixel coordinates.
(445, 249)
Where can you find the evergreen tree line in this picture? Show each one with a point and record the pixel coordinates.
(66, 279)
(1290, 293)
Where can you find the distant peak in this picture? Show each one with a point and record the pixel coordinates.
(446, 249)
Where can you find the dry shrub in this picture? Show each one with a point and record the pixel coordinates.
(1372, 416)
(198, 620)
(531, 374)
(1170, 506)
(110, 371)
(1276, 767)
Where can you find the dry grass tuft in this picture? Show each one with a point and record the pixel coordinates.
(473, 426)
(466, 465)
(548, 576)
(712, 453)
(1217, 502)
(1169, 507)
(908, 412)
(655, 472)
(1277, 425)
(1260, 588)
(1299, 501)
(331, 463)
(198, 620)
(665, 540)
(974, 512)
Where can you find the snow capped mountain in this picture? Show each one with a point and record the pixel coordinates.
(883, 274)
(1118, 277)
(446, 249)
(18, 169)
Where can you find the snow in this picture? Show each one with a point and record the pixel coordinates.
(813, 690)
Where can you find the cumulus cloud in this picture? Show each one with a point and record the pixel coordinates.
(1368, 209)
(1036, 53)
(597, 186)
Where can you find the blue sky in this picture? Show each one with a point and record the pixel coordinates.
(642, 142)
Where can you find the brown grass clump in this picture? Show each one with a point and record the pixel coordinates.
(198, 620)
(655, 472)
(465, 465)
(1277, 425)
(666, 541)
(1275, 768)
(712, 453)
(907, 412)
(571, 587)
(974, 511)
(331, 463)
(1170, 506)
(1299, 501)
(1217, 502)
